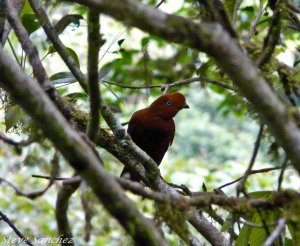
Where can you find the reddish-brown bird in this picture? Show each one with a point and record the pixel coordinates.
(153, 128)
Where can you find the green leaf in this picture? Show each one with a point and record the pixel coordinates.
(27, 8)
(227, 225)
(66, 21)
(61, 75)
(62, 78)
(294, 232)
(244, 236)
(260, 194)
(288, 242)
(30, 23)
(52, 50)
(120, 42)
(248, 9)
(74, 56)
(145, 41)
(77, 95)
(253, 235)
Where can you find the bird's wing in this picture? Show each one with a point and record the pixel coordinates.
(172, 134)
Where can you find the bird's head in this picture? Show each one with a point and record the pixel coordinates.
(167, 106)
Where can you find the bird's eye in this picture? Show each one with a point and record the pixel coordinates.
(169, 102)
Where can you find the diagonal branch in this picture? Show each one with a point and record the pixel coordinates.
(276, 233)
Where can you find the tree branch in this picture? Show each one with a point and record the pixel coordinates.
(276, 233)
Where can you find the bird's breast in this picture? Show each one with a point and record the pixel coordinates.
(153, 136)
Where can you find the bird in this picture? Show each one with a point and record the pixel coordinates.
(152, 129)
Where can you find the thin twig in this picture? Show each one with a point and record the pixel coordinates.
(49, 177)
(35, 194)
(13, 51)
(175, 84)
(280, 178)
(241, 186)
(21, 143)
(12, 226)
(271, 39)
(264, 170)
(160, 3)
(276, 233)
(254, 23)
(31, 195)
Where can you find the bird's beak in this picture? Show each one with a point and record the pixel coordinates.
(186, 106)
